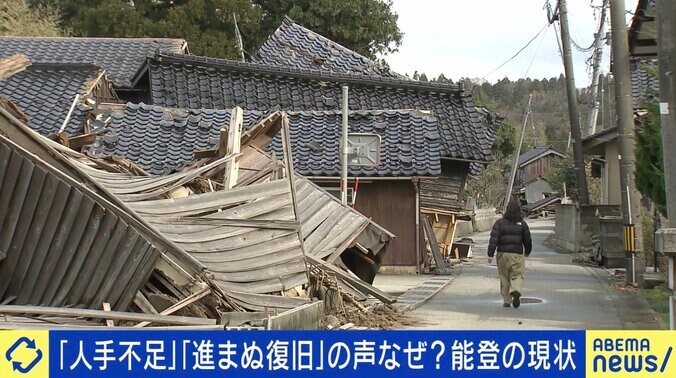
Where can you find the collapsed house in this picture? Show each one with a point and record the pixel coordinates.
(205, 208)
(181, 81)
(245, 245)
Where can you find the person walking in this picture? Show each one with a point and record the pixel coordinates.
(511, 238)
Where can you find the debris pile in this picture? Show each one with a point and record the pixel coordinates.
(91, 241)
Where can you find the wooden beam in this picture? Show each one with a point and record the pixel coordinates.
(100, 314)
(181, 304)
(206, 154)
(434, 244)
(106, 307)
(234, 137)
(144, 304)
(356, 282)
(76, 143)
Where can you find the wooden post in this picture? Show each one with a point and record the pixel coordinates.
(106, 307)
(233, 147)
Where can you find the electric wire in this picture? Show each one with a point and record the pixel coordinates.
(518, 52)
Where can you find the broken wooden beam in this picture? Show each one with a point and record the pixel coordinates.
(100, 314)
(233, 146)
(356, 282)
(144, 304)
(434, 244)
(181, 304)
(106, 307)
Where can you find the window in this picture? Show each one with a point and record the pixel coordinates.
(335, 191)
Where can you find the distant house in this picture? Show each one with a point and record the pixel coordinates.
(534, 166)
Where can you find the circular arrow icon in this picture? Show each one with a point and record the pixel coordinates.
(18, 365)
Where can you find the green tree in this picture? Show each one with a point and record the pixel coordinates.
(18, 19)
(368, 27)
(649, 159)
(563, 177)
(207, 25)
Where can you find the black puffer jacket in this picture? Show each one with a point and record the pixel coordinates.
(510, 234)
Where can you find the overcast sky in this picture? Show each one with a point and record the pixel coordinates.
(472, 38)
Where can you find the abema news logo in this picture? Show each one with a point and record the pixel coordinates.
(621, 354)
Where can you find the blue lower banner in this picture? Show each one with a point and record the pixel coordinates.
(203, 354)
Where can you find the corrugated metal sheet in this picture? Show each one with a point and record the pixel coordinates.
(62, 246)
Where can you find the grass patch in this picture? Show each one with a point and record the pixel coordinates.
(658, 298)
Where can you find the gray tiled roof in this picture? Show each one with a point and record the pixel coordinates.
(295, 46)
(164, 140)
(535, 152)
(410, 142)
(645, 87)
(45, 93)
(197, 82)
(122, 58)
(160, 140)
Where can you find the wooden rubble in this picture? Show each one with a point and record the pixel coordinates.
(248, 234)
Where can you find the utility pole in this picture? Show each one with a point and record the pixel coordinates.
(515, 165)
(598, 59)
(580, 174)
(666, 238)
(238, 38)
(631, 206)
(343, 147)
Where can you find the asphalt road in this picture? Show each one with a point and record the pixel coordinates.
(568, 295)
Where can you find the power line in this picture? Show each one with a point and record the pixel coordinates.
(517, 53)
(536, 53)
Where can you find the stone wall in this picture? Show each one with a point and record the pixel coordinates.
(566, 226)
(575, 226)
(484, 219)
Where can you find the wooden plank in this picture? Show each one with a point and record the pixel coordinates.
(434, 245)
(144, 304)
(356, 282)
(206, 154)
(210, 201)
(180, 304)
(106, 307)
(288, 163)
(233, 147)
(100, 314)
(77, 142)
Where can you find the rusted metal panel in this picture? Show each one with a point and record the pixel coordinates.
(391, 204)
(63, 248)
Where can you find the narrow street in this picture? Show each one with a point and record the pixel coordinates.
(565, 295)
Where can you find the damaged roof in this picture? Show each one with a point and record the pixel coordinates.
(45, 93)
(295, 46)
(162, 141)
(645, 84)
(182, 81)
(410, 142)
(62, 243)
(122, 58)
